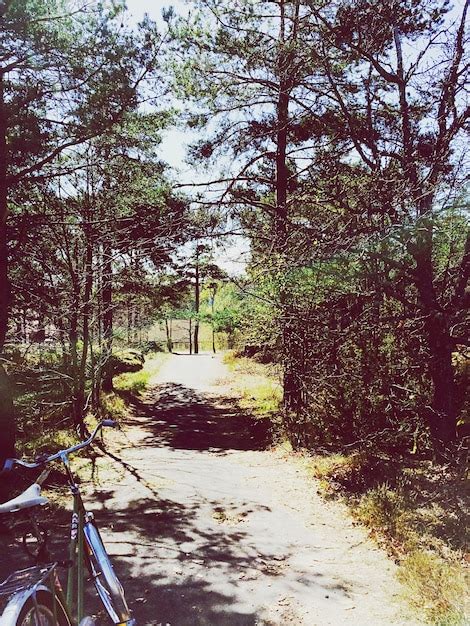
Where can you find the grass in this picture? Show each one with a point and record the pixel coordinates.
(137, 382)
(415, 510)
(419, 517)
(436, 587)
(257, 385)
(330, 469)
(385, 510)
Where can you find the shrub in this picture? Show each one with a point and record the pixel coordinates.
(436, 587)
(383, 508)
(127, 361)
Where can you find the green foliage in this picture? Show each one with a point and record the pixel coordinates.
(123, 361)
(436, 587)
(86, 55)
(221, 305)
(136, 382)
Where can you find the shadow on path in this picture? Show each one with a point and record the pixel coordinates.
(182, 418)
(169, 550)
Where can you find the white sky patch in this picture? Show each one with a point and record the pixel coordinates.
(234, 256)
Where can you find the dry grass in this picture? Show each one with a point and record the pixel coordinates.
(419, 517)
(330, 469)
(436, 587)
(256, 384)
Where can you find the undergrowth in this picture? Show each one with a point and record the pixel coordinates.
(415, 510)
(257, 385)
(41, 431)
(417, 513)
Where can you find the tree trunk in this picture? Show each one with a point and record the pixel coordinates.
(290, 386)
(107, 312)
(129, 322)
(7, 415)
(442, 417)
(81, 383)
(7, 418)
(197, 304)
(190, 336)
(4, 282)
(73, 339)
(169, 342)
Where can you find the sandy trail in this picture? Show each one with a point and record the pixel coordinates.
(206, 527)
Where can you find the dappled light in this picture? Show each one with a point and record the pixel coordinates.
(236, 232)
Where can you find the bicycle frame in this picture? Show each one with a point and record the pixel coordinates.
(85, 549)
(75, 596)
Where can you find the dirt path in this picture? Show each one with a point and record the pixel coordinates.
(208, 528)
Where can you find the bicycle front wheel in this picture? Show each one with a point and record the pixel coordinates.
(40, 611)
(104, 578)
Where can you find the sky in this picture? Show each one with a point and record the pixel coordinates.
(174, 141)
(234, 256)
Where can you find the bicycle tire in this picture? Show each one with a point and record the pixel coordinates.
(106, 582)
(44, 605)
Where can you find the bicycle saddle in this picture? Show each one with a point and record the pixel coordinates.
(29, 498)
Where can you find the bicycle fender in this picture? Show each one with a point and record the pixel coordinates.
(17, 601)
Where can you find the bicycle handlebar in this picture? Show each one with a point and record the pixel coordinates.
(10, 463)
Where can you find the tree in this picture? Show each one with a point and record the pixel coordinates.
(99, 246)
(66, 76)
(403, 119)
(343, 154)
(203, 272)
(249, 67)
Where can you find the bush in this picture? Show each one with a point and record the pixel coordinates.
(435, 587)
(152, 346)
(123, 361)
(384, 509)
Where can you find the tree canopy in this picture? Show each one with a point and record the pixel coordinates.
(330, 136)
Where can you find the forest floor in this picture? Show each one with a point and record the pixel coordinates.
(208, 525)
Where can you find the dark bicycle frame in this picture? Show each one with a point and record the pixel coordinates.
(80, 523)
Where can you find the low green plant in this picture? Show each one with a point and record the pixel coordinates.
(436, 588)
(126, 361)
(383, 508)
(230, 359)
(137, 382)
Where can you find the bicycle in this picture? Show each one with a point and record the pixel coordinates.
(34, 596)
